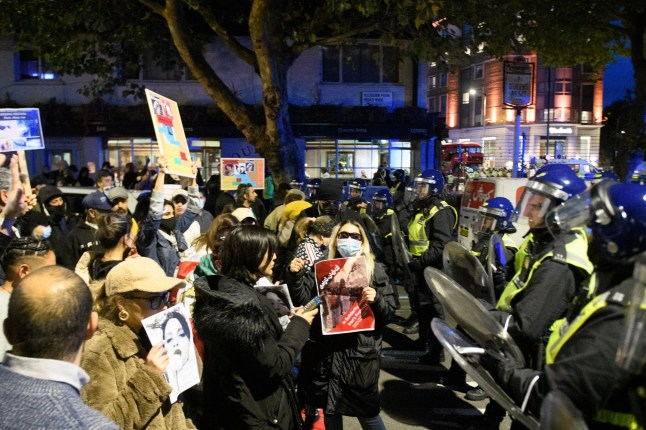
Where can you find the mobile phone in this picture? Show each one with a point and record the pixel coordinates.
(312, 304)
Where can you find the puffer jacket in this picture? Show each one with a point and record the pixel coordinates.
(248, 357)
(123, 387)
(340, 373)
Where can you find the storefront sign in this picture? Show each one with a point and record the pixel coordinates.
(236, 171)
(170, 134)
(560, 130)
(20, 129)
(377, 98)
(518, 78)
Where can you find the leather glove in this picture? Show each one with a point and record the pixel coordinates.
(501, 368)
(415, 265)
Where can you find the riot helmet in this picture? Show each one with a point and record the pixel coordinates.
(494, 216)
(381, 201)
(428, 183)
(296, 184)
(312, 188)
(357, 187)
(545, 191)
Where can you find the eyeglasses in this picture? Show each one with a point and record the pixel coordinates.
(347, 235)
(156, 301)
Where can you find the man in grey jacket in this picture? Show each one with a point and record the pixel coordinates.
(50, 317)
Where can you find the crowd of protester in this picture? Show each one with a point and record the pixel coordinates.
(77, 286)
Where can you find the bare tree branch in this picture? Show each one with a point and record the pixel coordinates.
(154, 6)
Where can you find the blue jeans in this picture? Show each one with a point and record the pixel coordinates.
(335, 422)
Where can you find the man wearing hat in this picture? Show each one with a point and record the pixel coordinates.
(54, 207)
(82, 238)
(118, 198)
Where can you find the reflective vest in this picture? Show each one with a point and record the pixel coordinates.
(576, 254)
(564, 333)
(417, 239)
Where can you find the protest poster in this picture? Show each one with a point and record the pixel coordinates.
(279, 297)
(170, 134)
(174, 328)
(236, 171)
(340, 282)
(20, 129)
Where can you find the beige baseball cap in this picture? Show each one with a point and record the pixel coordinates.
(139, 274)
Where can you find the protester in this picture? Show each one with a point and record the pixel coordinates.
(276, 217)
(104, 179)
(82, 238)
(84, 179)
(127, 382)
(50, 317)
(161, 233)
(248, 357)
(22, 256)
(340, 373)
(62, 221)
(117, 242)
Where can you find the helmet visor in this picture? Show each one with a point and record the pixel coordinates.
(573, 213)
(532, 208)
(484, 224)
(421, 190)
(378, 205)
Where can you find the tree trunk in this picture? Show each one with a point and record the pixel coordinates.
(279, 147)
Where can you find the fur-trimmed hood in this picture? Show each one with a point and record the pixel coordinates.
(229, 314)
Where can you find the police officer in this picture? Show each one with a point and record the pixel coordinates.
(492, 230)
(548, 266)
(397, 184)
(296, 184)
(313, 186)
(382, 212)
(356, 202)
(582, 358)
(432, 225)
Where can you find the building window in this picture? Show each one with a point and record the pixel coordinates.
(32, 66)
(442, 108)
(563, 87)
(585, 147)
(478, 71)
(465, 98)
(361, 64)
(489, 151)
(444, 79)
(431, 104)
(432, 82)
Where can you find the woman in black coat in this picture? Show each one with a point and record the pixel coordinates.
(248, 357)
(340, 373)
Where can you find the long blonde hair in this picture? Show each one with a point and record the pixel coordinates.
(364, 250)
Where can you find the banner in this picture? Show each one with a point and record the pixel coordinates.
(20, 129)
(170, 134)
(236, 171)
(340, 284)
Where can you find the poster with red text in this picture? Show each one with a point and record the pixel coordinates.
(340, 283)
(170, 134)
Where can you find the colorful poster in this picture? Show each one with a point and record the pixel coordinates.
(340, 283)
(174, 328)
(170, 134)
(236, 171)
(20, 129)
(278, 296)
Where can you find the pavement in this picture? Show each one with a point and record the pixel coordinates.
(411, 397)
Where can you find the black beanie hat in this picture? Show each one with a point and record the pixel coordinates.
(330, 189)
(47, 193)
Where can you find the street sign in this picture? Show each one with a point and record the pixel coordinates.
(518, 82)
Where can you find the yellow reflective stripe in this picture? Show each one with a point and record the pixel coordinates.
(557, 341)
(619, 419)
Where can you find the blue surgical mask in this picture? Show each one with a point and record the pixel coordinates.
(348, 247)
(47, 231)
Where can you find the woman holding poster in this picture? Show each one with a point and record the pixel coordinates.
(340, 372)
(248, 357)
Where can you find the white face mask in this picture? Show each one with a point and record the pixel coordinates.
(47, 231)
(201, 203)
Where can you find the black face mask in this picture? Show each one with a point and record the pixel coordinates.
(58, 211)
(168, 225)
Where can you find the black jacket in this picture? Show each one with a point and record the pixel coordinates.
(247, 357)
(340, 373)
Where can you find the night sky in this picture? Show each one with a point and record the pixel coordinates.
(617, 78)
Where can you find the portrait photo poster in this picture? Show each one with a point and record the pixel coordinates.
(340, 282)
(170, 134)
(279, 297)
(20, 129)
(174, 328)
(236, 171)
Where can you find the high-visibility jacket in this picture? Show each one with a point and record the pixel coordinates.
(575, 253)
(418, 241)
(619, 296)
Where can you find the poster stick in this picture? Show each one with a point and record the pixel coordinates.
(22, 164)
